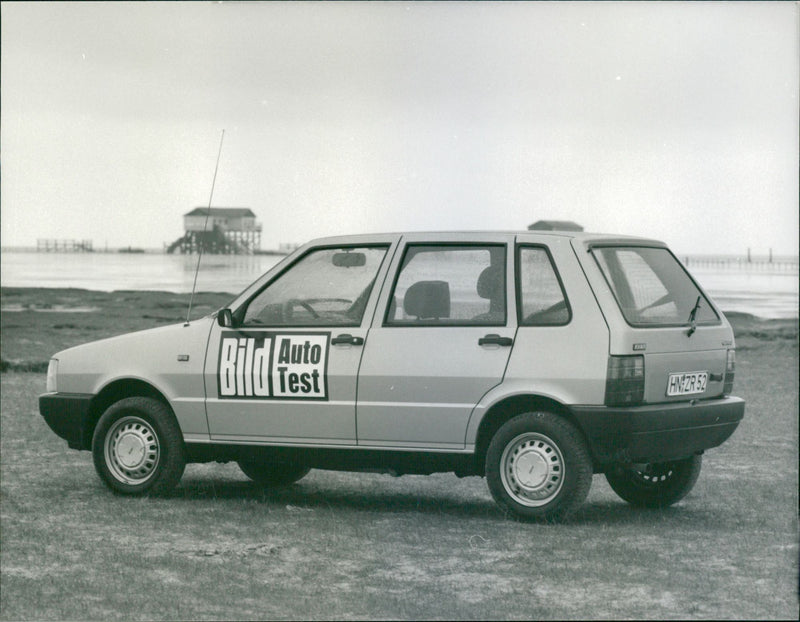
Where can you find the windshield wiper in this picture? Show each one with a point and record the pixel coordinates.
(692, 315)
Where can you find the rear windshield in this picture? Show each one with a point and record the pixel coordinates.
(652, 288)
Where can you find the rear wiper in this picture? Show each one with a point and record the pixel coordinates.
(692, 315)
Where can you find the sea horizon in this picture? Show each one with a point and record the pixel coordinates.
(286, 249)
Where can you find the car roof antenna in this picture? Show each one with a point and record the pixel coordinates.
(205, 226)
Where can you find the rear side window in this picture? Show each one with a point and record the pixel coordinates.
(541, 297)
(450, 285)
(652, 288)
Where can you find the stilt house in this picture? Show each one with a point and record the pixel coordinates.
(221, 230)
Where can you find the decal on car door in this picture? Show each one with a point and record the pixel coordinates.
(267, 365)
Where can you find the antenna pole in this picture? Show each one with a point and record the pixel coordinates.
(205, 226)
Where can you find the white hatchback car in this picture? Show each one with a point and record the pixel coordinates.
(534, 359)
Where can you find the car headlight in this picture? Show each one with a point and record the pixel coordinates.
(52, 375)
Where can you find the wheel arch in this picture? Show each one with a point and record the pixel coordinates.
(511, 406)
(113, 392)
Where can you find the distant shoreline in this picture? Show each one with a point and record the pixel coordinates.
(123, 249)
(161, 250)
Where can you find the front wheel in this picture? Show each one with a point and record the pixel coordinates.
(656, 485)
(273, 474)
(138, 447)
(538, 467)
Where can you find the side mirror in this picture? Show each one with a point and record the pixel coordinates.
(349, 260)
(225, 318)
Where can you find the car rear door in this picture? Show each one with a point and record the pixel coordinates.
(441, 338)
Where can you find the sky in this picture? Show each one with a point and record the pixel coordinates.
(671, 120)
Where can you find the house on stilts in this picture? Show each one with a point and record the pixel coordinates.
(219, 230)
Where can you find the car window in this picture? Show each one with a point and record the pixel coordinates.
(652, 288)
(541, 297)
(326, 287)
(450, 285)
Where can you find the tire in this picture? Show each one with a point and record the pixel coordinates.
(138, 447)
(273, 474)
(538, 467)
(657, 485)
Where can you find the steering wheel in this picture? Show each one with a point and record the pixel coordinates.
(289, 305)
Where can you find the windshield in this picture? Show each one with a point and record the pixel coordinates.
(652, 288)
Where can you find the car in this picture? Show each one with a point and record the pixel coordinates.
(533, 359)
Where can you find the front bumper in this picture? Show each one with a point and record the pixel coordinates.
(658, 432)
(67, 415)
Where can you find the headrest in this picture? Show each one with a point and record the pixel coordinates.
(428, 300)
(490, 283)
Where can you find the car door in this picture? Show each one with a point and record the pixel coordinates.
(286, 370)
(440, 340)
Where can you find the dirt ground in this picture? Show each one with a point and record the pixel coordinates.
(369, 546)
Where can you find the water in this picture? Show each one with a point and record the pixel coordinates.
(762, 295)
(138, 271)
(735, 288)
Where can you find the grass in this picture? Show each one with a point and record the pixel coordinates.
(366, 546)
(37, 323)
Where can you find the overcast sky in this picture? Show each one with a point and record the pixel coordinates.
(670, 120)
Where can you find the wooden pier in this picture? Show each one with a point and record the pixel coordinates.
(63, 246)
(771, 265)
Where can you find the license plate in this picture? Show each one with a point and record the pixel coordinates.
(687, 383)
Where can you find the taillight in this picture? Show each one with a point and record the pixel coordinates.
(52, 376)
(625, 380)
(730, 369)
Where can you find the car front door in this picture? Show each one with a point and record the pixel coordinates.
(286, 370)
(440, 340)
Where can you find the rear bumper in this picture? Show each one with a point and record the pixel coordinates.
(67, 415)
(659, 432)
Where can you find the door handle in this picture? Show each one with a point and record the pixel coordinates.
(494, 339)
(347, 339)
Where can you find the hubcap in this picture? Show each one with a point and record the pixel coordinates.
(132, 451)
(532, 469)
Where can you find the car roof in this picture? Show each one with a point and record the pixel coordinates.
(584, 237)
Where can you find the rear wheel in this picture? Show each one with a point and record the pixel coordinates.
(655, 485)
(138, 447)
(538, 467)
(273, 474)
